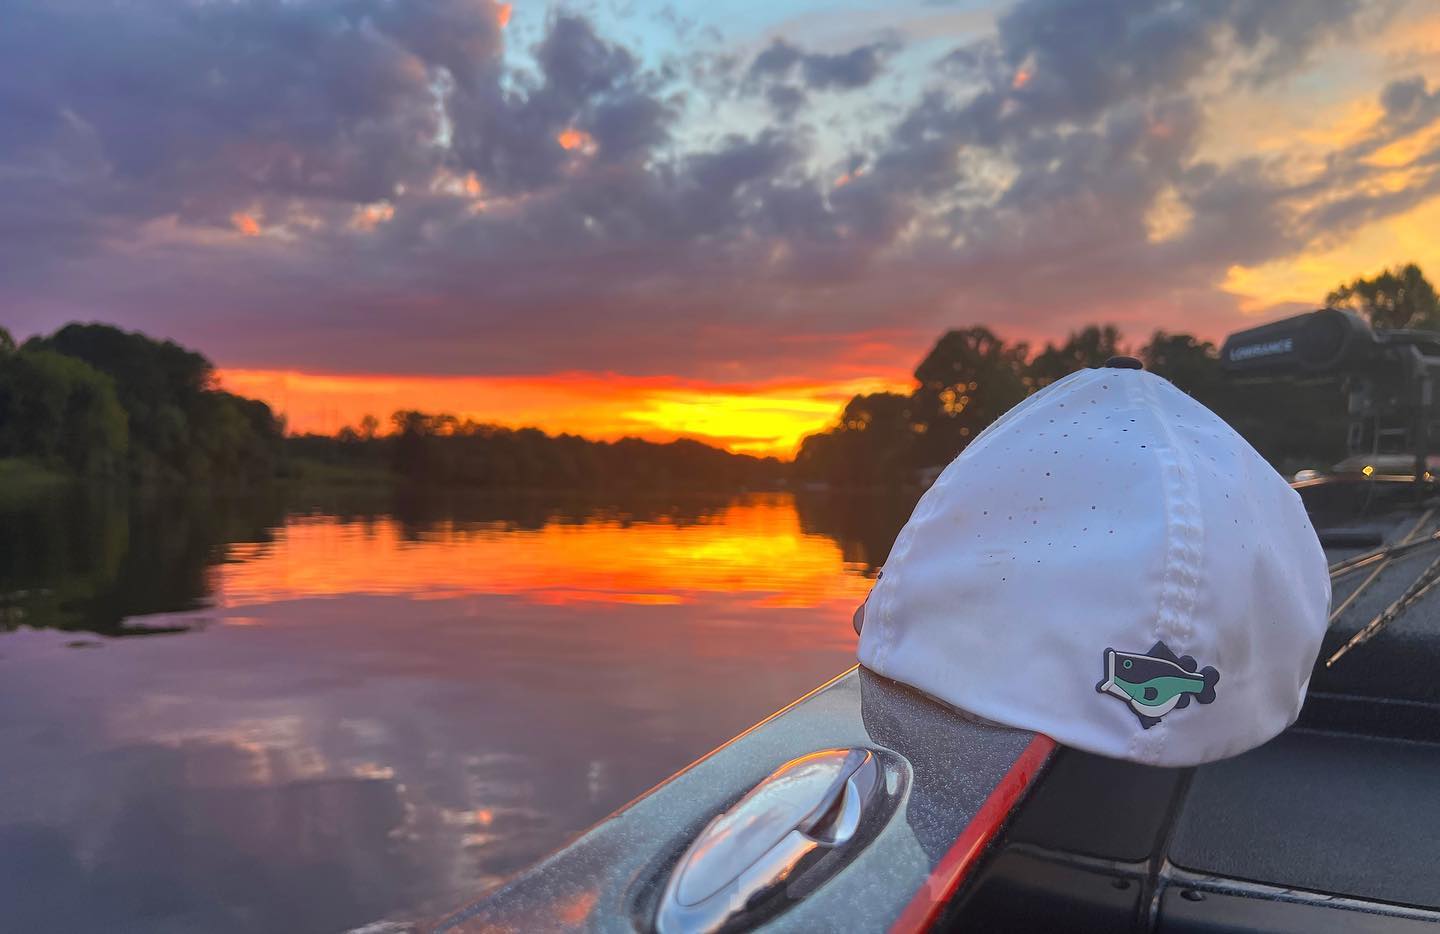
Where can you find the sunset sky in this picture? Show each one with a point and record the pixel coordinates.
(717, 220)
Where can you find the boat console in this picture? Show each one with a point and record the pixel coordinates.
(1389, 377)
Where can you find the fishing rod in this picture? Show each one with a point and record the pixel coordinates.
(1422, 585)
(1340, 568)
(1381, 561)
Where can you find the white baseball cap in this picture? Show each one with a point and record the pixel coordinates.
(1109, 564)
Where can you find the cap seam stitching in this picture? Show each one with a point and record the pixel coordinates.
(1183, 529)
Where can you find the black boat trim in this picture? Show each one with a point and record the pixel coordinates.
(1174, 876)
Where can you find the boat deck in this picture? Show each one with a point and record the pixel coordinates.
(1334, 825)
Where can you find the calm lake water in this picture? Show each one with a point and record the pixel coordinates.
(308, 714)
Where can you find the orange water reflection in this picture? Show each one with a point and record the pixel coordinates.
(752, 551)
(375, 710)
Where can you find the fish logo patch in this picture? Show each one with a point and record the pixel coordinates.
(1157, 682)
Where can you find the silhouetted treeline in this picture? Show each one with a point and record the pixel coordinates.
(98, 401)
(450, 451)
(972, 376)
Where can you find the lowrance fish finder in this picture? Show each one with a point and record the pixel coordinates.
(1388, 375)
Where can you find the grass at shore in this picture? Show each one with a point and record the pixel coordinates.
(19, 478)
(311, 472)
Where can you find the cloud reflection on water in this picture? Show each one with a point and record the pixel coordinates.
(384, 716)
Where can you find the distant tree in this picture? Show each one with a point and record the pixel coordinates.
(871, 444)
(415, 454)
(180, 425)
(440, 449)
(879, 414)
(233, 438)
(1191, 364)
(1396, 298)
(969, 379)
(369, 425)
(59, 411)
(7, 343)
(1089, 347)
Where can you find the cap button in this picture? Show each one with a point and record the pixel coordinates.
(1124, 363)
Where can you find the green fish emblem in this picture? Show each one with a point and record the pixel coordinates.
(1157, 682)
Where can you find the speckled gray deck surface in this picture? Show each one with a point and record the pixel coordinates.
(602, 880)
(1335, 812)
(1344, 814)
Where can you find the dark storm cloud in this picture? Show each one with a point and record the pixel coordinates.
(822, 71)
(785, 73)
(511, 137)
(421, 199)
(121, 113)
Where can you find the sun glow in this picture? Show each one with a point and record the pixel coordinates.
(760, 419)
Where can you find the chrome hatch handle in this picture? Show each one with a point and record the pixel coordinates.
(738, 867)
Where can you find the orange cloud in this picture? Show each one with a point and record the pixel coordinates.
(759, 419)
(369, 216)
(572, 139)
(1308, 276)
(1305, 126)
(247, 225)
(502, 14)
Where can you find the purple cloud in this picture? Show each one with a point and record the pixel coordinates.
(380, 185)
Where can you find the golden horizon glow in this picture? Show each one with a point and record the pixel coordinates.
(753, 551)
(1309, 125)
(764, 419)
(1308, 277)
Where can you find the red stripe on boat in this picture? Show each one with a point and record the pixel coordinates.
(963, 855)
